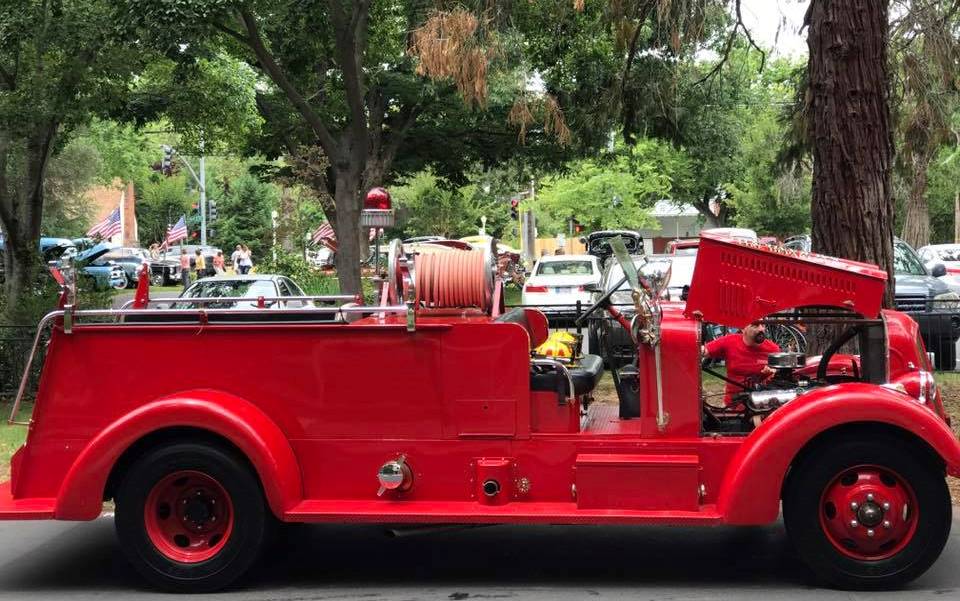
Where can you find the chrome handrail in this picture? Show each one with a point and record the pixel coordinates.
(72, 315)
(202, 300)
(559, 366)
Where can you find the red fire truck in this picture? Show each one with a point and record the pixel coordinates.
(432, 408)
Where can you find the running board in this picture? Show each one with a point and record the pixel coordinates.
(468, 512)
(24, 509)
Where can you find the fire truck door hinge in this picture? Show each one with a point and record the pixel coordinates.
(68, 319)
(411, 318)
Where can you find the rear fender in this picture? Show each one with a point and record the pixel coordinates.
(230, 417)
(750, 493)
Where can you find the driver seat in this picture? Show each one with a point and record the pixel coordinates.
(585, 374)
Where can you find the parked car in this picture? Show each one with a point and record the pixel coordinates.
(949, 256)
(559, 282)
(209, 252)
(682, 247)
(162, 272)
(249, 286)
(919, 293)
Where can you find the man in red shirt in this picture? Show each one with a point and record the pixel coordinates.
(745, 354)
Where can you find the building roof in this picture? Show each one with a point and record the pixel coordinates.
(669, 208)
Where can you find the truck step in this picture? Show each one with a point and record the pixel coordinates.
(24, 509)
(468, 512)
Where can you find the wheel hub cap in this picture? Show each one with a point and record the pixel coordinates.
(868, 513)
(188, 516)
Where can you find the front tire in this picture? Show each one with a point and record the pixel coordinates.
(190, 517)
(868, 514)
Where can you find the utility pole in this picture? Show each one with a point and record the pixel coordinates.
(201, 181)
(203, 197)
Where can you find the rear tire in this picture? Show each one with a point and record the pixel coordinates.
(835, 540)
(167, 511)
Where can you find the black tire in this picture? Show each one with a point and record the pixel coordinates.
(156, 279)
(802, 512)
(239, 550)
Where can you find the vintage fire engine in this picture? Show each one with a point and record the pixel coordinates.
(431, 408)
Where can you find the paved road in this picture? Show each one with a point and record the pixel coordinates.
(44, 560)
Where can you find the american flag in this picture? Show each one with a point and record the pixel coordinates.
(107, 228)
(176, 232)
(326, 236)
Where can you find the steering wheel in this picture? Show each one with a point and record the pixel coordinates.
(603, 301)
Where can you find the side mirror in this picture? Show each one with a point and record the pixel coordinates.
(591, 288)
(685, 293)
(939, 270)
(583, 239)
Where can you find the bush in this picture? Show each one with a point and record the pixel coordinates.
(313, 281)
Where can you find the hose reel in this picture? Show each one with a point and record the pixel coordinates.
(443, 279)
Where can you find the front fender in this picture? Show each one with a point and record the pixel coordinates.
(237, 420)
(750, 493)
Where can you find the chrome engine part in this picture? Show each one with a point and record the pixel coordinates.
(786, 360)
(762, 401)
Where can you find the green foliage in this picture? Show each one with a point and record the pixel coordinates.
(125, 153)
(245, 206)
(429, 205)
(160, 203)
(614, 191)
(944, 185)
(313, 281)
(66, 211)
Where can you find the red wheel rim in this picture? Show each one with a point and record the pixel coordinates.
(869, 513)
(189, 516)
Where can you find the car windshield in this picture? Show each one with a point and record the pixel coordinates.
(906, 262)
(228, 288)
(945, 253)
(685, 250)
(565, 268)
(616, 274)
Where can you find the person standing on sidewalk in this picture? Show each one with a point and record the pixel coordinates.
(185, 268)
(235, 259)
(246, 260)
(200, 264)
(218, 263)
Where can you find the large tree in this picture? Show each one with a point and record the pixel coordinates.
(852, 208)
(350, 94)
(59, 63)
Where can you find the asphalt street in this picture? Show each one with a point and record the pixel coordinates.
(49, 560)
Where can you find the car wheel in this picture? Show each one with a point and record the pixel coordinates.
(190, 517)
(121, 283)
(156, 279)
(868, 514)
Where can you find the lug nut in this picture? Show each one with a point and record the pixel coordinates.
(854, 523)
(886, 523)
(869, 496)
(886, 506)
(870, 532)
(854, 505)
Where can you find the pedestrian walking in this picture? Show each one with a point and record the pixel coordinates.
(218, 263)
(235, 259)
(246, 260)
(200, 264)
(185, 268)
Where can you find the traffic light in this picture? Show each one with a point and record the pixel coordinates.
(166, 165)
(514, 208)
(577, 226)
(212, 210)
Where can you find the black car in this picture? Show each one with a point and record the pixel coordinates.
(162, 272)
(920, 294)
(598, 244)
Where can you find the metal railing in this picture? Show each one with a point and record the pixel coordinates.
(15, 342)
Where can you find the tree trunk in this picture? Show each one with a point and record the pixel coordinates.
(916, 225)
(346, 198)
(852, 208)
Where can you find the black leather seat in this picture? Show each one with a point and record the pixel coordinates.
(585, 375)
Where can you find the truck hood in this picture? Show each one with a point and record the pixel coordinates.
(92, 254)
(736, 282)
(919, 285)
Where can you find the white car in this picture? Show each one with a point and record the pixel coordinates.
(949, 256)
(558, 282)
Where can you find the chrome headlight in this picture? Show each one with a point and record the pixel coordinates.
(947, 300)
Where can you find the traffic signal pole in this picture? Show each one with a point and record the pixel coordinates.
(201, 180)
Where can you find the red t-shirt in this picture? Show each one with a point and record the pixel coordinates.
(743, 362)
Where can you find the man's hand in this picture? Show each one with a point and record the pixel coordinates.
(767, 373)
